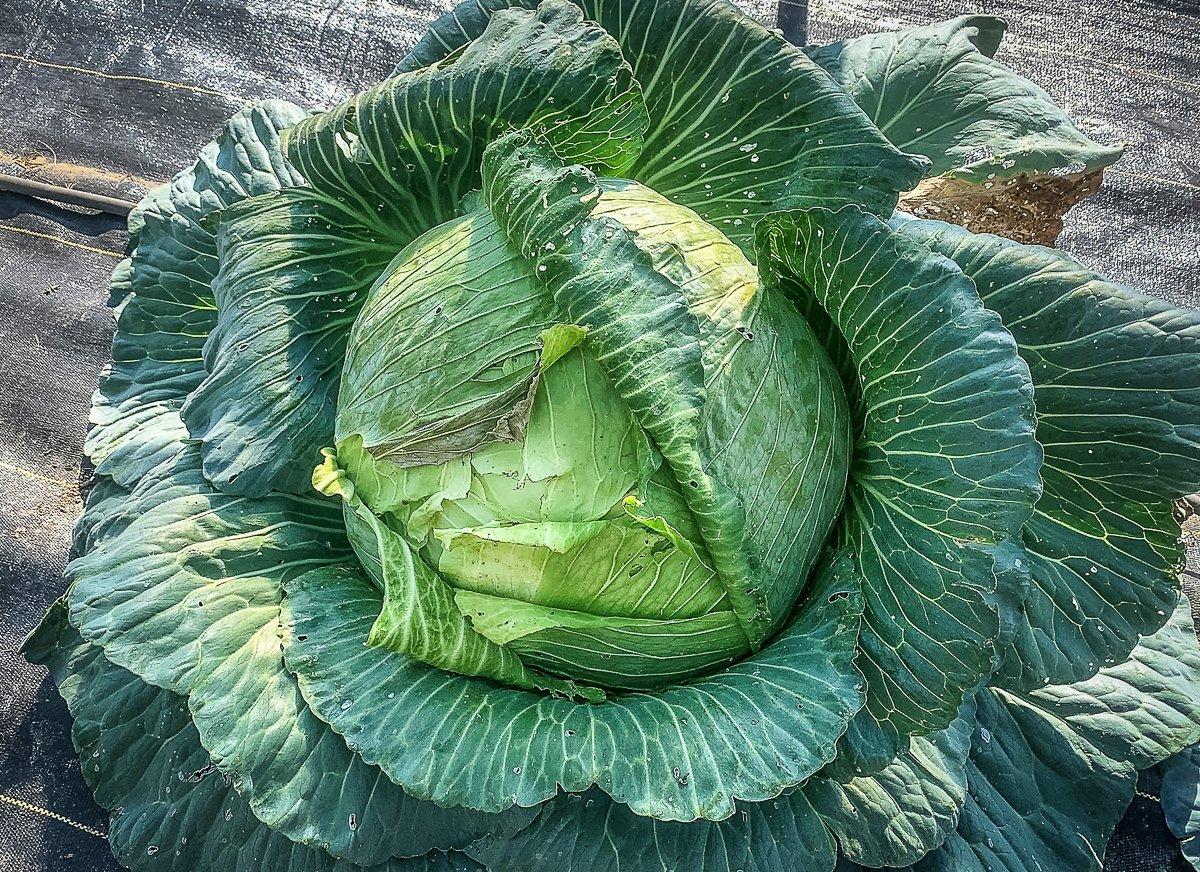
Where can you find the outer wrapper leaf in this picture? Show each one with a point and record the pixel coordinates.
(405, 152)
(183, 590)
(939, 477)
(1005, 157)
(740, 122)
(1049, 775)
(749, 732)
(1143, 709)
(172, 809)
(1181, 800)
(907, 809)
(294, 269)
(1117, 387)
(591, 833)
(1041, 797)
(164, 296)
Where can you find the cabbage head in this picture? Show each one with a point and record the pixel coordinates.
(617, 442)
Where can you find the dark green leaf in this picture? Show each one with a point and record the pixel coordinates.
(1041, 798)
(295, 269)
(750, 732)
(910, 807)
(172, 809)
(1181, 800)
(186, 596)
(403, 154)
(104, 510)
(1144, 709)
(162, 326)
(1005, 158)
(740, 121)
(1117, 387)
(591, 833)
(946, 467)
(936, 91)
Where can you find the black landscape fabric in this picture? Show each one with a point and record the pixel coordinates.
(117, 96)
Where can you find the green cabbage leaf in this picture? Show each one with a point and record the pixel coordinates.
(584, 450)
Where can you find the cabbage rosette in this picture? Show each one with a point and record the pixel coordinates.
(564, 455)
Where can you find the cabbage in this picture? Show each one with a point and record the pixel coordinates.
(588, 450)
